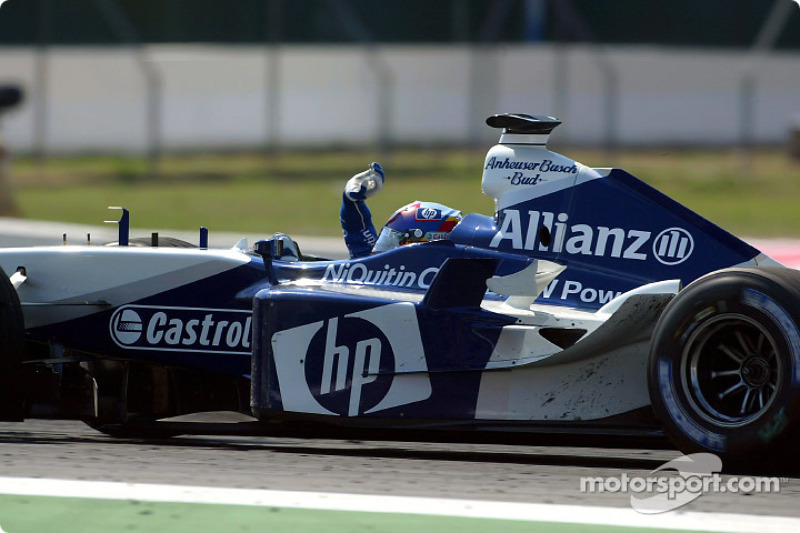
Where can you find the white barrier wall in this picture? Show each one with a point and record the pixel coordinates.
(95, 99)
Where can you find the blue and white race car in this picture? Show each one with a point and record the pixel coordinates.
(589, 309)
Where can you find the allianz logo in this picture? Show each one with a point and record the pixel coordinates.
(545, 231)
(186, 329)
(388, 275)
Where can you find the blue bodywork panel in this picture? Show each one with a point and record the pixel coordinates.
(613, 234)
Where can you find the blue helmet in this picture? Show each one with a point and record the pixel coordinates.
(417, 222)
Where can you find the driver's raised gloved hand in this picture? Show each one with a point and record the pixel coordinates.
(365, 184)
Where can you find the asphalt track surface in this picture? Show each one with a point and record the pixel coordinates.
(534, 474)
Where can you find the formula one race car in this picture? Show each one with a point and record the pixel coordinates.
(591, 308)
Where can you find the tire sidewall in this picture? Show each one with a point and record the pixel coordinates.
(12, 344)
(758, 295)
(12, 326)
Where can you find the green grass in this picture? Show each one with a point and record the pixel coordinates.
(299, 192)
(39, 514)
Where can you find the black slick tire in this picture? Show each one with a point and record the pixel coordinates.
(724, 367)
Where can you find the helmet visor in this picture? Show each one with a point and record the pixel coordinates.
(389, 239)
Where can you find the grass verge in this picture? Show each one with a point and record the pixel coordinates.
(299, 192)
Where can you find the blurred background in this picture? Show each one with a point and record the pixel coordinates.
(122, 97)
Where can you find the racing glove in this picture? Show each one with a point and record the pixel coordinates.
(366, 184)
(359, 232)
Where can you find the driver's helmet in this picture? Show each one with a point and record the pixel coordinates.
(417, 222)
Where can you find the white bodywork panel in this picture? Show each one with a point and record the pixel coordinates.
(523, 287)
(554, 171)
(608, 384)
(66, 282)
(601, 375)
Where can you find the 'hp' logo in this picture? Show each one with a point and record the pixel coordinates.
(428, 213)
(673, 246)
(343, 365)
(350, 366)
(351, 363)
(126, 326)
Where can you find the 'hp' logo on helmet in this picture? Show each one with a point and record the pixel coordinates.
(673, 246)
(428, 213)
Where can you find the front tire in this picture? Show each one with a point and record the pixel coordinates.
(12, 340)
(724, 368)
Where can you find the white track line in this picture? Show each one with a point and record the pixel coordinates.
(397, 504)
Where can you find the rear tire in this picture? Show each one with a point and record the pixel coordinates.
(724, 368)
(12, 341)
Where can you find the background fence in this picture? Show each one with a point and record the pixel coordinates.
(134, 76)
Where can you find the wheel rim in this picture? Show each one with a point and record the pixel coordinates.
(731, 370)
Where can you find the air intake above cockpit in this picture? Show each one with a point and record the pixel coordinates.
(519, 128)
(522, 123)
